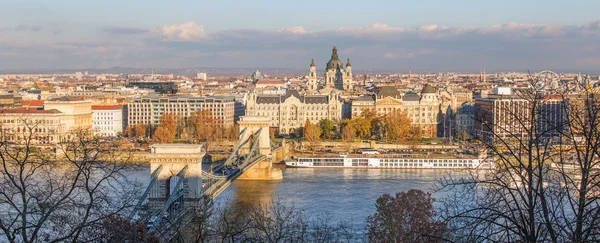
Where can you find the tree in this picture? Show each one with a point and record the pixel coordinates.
(415, 133)
(204, 123)
(362, 126)
(139, 130)
(544, 185)
(163, 135)
(348, 135)
(312, 133)
(397, 125)
(121, 230)
(463, 135)
(328, 128)
(64, 196)
(407, 217)
(368, 114)
(378, 126)
(169, 123)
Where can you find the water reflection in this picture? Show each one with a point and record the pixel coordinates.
(343, 194)
(254, 193)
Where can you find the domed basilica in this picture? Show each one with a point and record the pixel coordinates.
(336, 77)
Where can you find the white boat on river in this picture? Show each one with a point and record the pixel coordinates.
(391, 162)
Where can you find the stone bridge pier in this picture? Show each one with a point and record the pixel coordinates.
(174, 158)
(262, 170)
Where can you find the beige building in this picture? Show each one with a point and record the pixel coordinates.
(77, 111)
(148, 110)
(46, 126)
(289, 112)
(50, 124)
(422, 109)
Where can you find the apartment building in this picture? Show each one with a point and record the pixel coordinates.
(148, 110)
(107, 120)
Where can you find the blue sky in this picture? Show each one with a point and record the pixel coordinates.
(376, 34)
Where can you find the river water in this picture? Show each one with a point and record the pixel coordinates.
(342, 194)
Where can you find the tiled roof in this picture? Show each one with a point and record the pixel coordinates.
(107, 107)
(273, 81)
(33, 103)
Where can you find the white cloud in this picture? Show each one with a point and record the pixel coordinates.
(186, 32)
(374, 28)
(294, 30)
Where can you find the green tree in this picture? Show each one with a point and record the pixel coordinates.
(378, 125)
(328, 128)
(407, 217)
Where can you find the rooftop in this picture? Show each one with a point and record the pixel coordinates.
(67, 98)
(107, 107)
(26, 110)
(33, 103)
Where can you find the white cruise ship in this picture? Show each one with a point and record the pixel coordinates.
(391, 162)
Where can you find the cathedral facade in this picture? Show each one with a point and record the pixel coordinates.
(336, 76)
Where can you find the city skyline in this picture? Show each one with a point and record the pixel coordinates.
(387, 35)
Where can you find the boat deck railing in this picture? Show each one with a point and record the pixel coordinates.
(392, 156)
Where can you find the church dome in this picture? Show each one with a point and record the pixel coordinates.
(334, 62)
(428, 89)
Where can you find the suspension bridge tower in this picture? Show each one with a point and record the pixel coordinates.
(179, 168)
(258, 126)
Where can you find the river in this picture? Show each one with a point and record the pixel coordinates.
(342, 194)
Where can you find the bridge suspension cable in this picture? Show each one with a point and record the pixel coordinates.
(154, 178)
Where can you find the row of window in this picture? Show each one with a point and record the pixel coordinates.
(322, 107)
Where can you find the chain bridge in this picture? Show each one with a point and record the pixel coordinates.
(179, 188)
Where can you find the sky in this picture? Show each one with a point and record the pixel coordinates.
(429, 35)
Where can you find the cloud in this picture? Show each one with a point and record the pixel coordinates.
(374, 28)
(124, 30)
(186, 32)
(24, 27)
(516, 46)
(293, 30)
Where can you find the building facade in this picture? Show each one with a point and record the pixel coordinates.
(289, 112)
(161, 87)
(148, 110)
(107, 120)
(422, 109)
(45, 127)
(465, 121)
(77, 111)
